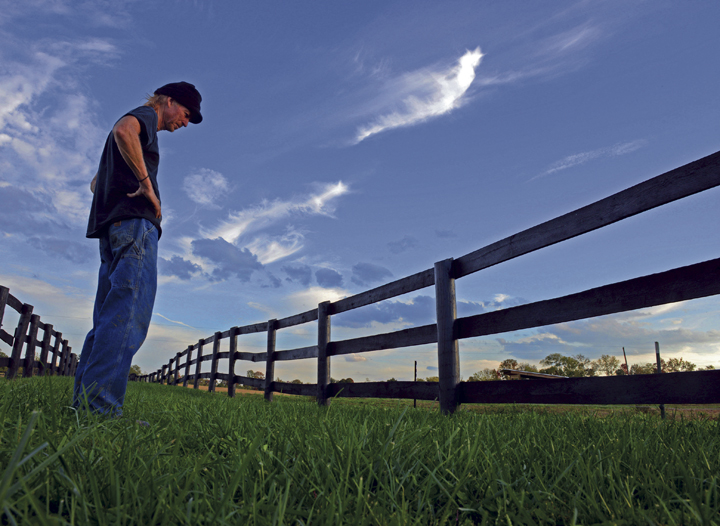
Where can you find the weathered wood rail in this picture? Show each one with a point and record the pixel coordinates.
(690, 282)
(55, 358)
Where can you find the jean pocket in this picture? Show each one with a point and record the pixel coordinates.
(122, 240)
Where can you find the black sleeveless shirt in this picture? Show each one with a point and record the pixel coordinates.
(115, 179)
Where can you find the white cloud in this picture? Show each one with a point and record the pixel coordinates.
(266, 247)
(173, 321)
(574, 39)
(205, 187)
(269, 312)
(269, 249)
(48, 136)
(582, 158)
(425, 94)
(311, 297)
(268, 213)
(355, 358)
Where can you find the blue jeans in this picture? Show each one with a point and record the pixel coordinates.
(123, 307)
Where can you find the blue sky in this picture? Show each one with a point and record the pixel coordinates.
(347, 144)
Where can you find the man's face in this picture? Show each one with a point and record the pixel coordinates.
(175, 116)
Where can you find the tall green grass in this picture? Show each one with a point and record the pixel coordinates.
(208, 459)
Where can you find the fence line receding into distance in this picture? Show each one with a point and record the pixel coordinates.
(685, 283)
(55, 358)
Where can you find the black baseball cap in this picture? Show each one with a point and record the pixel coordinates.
(186, 94)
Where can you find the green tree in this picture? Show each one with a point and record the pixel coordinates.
(676, 365)
(510, 363)
(296, 381)
(573, 366)
(432, 379)
(607, 365)
(646, 368)
(258, 375)
(485, 375)
(135, 369)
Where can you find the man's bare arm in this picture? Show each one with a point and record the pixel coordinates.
(127, 136)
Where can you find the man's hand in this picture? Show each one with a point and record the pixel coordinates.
(146, 189)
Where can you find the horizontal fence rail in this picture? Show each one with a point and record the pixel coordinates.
(690, 282)
(55, 356)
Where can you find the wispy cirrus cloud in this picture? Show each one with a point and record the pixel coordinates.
(173, 321)
(248, 239)
(48, 133)
(272, 248)
(267, 213)
(424, 94)
(206, 187)
(584, 157)
(571, 40)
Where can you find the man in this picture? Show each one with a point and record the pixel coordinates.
(125, 216)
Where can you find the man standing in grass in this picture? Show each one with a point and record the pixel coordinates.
(125, 216)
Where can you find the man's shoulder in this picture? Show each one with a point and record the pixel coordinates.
(148, 120)
(143, 112)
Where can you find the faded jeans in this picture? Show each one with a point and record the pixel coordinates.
(127, 283)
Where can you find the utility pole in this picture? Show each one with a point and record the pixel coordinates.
(415, 399)
(659, 371)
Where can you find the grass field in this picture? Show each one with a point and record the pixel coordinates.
(209, 459)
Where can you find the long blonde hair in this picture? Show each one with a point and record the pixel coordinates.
(155, 101)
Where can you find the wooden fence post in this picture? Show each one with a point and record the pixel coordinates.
(448, 352)
(231, 362)
(73, 362)
(176, 378)
(19, 341)
(4, 293)
(171, 371)
(29, 366)
(323, 364)
(45, 349)
(197, 364)
(270, 362)
(64, 359)
(56, 354)
(188, 359)
(214, 362)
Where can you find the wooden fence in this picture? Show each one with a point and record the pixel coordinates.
(56, 357)
(690, 282)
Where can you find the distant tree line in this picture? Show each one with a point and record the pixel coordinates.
(557, 364)
(580, 366)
